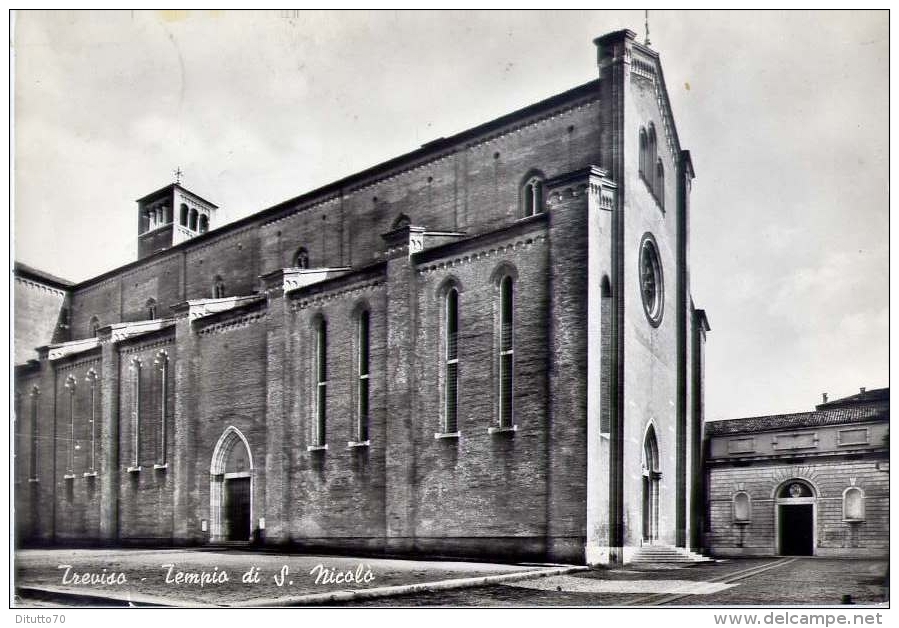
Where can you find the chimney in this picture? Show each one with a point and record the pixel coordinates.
(862, 390)
(824, 395)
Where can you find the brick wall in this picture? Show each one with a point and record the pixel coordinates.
(145, 496)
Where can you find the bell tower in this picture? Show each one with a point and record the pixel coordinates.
(170, 216)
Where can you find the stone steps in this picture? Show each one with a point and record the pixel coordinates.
(658, 553)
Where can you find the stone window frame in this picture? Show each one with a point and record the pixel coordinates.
(861, 492)
(362, 375)
(35, 436)
(532, 199)
(450, 361)
(135, 368)
(161, 362)
(843, 443)
(654, 311)
(92, 380)
(71, 385)
(506, 274)
(319, 435)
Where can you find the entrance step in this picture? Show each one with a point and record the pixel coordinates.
(658, 553)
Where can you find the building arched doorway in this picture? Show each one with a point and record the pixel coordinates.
(651, 477)
(796, 516)
(231, 489)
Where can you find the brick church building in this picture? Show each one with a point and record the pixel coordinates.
(485, 347)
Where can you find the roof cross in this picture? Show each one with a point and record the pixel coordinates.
(178, 174)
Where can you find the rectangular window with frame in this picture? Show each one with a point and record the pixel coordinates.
(35, 435)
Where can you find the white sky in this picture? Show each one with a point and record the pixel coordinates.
(785, 114)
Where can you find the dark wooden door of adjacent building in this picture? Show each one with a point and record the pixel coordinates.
(796, 530)
(237, 509)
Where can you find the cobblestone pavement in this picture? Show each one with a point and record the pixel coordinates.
(146, 576)
(803, 581)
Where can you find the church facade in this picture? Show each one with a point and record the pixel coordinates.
(485, 347)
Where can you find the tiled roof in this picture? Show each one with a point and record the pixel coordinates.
(868, 396)
(835, 416)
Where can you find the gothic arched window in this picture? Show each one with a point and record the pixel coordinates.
(218, 287)
(532, 196)
(644, 152)
(506, 351)
(95, 325)
(301, 258)
(194, 215)
(151, 309)
(451, 361)
(660, 184)
(182, 217)
(204, 223)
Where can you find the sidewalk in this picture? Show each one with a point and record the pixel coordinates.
(242, 578)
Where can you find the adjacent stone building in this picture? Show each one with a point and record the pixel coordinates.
(809, 483)
(485, 347)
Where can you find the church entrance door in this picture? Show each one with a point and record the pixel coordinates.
(237, 508)
(651, 477)
(796, 530)
(796, 502)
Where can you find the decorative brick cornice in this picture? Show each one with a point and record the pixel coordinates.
(66, 368)
(218, 239)
(139, 348)
(41, 286)
(646, 66)
(232, 324)
(510, 246)
(321, 299)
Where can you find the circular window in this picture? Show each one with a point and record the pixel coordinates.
(651, 285)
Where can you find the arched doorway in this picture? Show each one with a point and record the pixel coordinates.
(651, 477)
(796, 518)
(231, 489)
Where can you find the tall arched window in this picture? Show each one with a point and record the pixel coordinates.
(660, 184)
(321, 382)
(95, 326)
(644, 152)
(91, 380)
(183, 214)
(451, 363)
(506, 352)
(35, 433)
(651, 154)
(301, 258)
(194, 215)
(363, 384)
(853, 504)
(151, 309)
(218, 287)
(162, 370)
(70, 402)
(204, 223)
(135, 415)
(532, 196)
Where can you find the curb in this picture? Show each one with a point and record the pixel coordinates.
(110, 599)
(310, 599)
(392, 591)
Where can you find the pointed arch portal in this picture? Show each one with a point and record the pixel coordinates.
(651, 477)
(231, 489)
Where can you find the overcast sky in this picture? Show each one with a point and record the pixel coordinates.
(785, 115)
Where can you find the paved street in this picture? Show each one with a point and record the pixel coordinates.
(757, 581)
(802, 581)
(141, 576)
